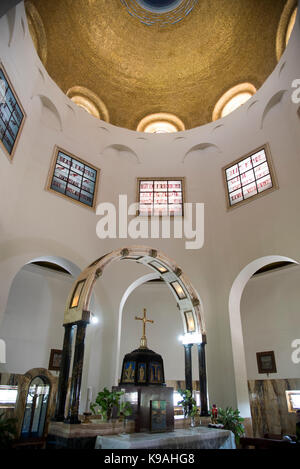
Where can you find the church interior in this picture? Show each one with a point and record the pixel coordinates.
(149, 250)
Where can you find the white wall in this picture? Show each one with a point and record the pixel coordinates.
(38, 223)
(271, 320)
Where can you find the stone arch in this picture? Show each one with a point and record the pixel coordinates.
(77, 313)
(238, 351)
(78, 304)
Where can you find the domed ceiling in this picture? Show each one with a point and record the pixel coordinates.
(180, 67)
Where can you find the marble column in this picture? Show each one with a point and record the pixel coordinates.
(188, 366)
(202, 379)
(77, 374)
(64, 373)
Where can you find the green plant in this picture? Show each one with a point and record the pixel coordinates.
(187, 402)
(231, 420)
(194, 411)
(105, 402)
(125, 409)
(8, 431)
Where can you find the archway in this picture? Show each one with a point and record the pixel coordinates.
(31, 321)
(77, 313)
(77, 307)
(239, 359)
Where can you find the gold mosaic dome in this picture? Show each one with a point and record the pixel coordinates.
(132, 69)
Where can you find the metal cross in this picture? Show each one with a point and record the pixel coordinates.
(145, 320)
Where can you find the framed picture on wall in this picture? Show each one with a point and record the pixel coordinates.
(55, 360)
(266, 362)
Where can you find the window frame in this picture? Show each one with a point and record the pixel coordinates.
(50, 176)
(179, 178)
(10, 156)
(272, 173)
(289, 402)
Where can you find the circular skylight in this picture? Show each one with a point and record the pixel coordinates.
(159, 6)
(161, 12)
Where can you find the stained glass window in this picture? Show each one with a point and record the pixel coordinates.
(12, 114)
(248, 177)
(74, 178)
(160, 197)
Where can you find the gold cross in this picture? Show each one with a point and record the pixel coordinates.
(145, 320)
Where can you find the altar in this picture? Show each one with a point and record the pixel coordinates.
(191, 438)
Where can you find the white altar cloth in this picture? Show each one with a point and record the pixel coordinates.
(191, 438)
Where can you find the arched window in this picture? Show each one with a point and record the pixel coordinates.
(159, 123)
(88, 101)
(36, 408)
(233, 99)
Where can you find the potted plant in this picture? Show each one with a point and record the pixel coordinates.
(8, 431)
(125, 410)
(231, 420)
(187, 401)
(194, 413)
(105, 402)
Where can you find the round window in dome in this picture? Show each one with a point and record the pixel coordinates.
(285, 26)
(233, 99)
(159, 5)
(160, 123)
(88, 101)
(291, 26)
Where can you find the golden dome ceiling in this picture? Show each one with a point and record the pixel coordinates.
(136, 69)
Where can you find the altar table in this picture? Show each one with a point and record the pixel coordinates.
(191, 438)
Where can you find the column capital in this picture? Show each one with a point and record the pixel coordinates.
(188, 345)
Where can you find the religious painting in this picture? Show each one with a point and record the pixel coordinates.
(12, 115)
(128, 372)
(249, 176)
(55, 360)
(178, 290)
(142, 378)
(190, 321)
(266, 362)
(158, 416)
(155, 373)
(76, 295)
(73, 178)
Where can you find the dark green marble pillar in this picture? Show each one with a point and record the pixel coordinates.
(64, 374)
(188, 366)
(77, 374)
(202, 379)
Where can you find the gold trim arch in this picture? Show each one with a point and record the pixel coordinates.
(78, 303)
